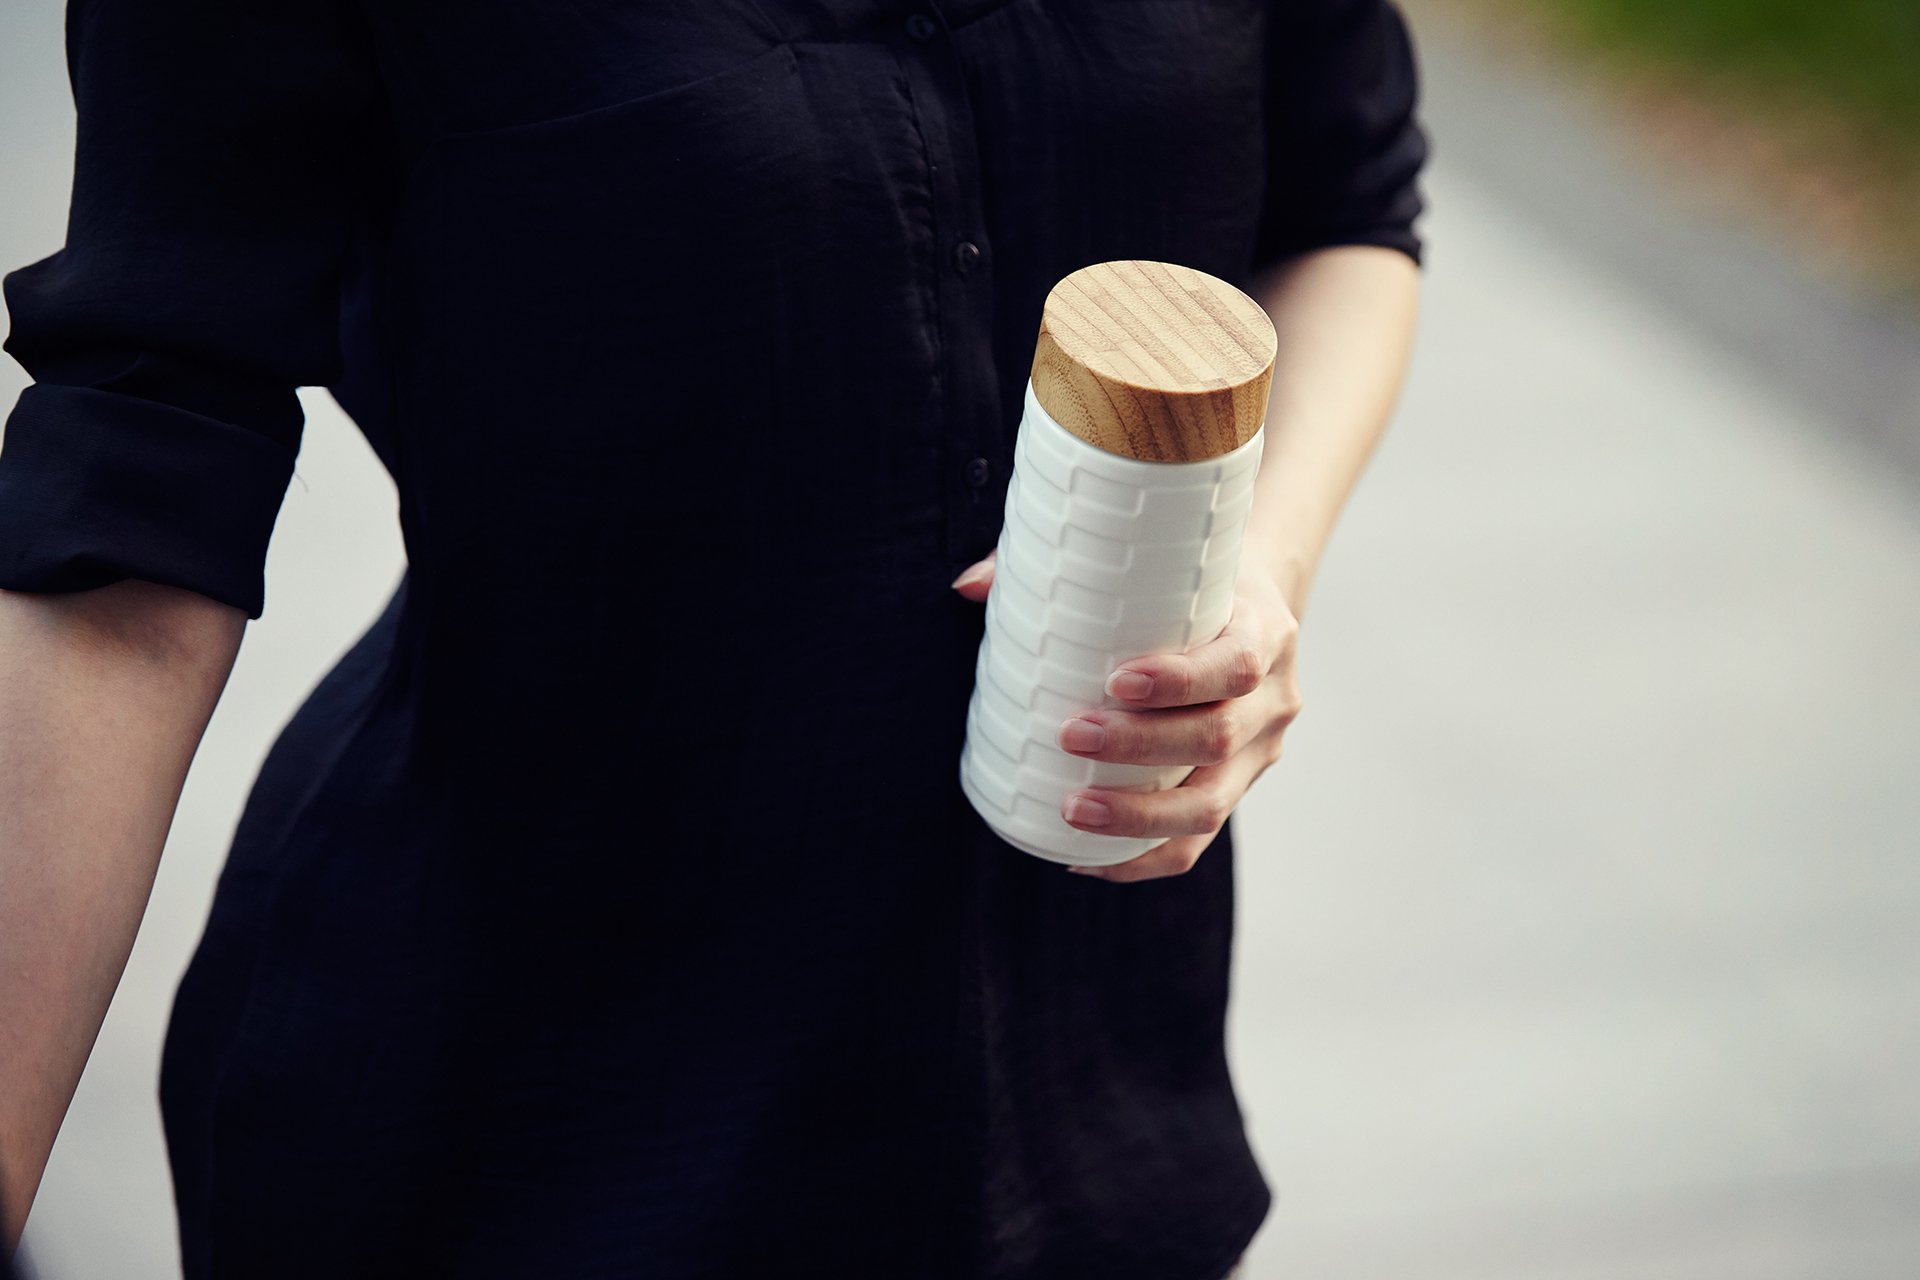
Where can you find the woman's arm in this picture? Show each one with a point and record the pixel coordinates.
(104, 695)
(1345, 319)
(226, 151)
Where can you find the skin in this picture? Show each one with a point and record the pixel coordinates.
(1345, 320)
(104, 696)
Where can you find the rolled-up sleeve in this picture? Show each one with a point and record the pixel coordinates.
(1345, 146)
(220, 164)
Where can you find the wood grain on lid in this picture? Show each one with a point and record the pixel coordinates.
(1154, 360)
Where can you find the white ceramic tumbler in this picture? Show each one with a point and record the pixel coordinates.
(1106, 555)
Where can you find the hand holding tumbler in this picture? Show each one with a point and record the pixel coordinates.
(1132, 481)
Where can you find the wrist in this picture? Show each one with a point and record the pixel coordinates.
(1287, 569)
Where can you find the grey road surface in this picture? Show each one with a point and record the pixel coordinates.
(1577, 936)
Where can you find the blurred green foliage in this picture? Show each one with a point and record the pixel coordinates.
(1862, 56)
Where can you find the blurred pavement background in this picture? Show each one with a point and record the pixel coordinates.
(1578, 935)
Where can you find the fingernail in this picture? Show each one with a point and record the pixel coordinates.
(1087, 871)
(970, 575)
(1082, 735)
(1130, 685)
(1082, 812)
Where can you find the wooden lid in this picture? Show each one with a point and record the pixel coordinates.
(1154, 360)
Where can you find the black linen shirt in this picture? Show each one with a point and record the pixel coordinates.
(612, 908)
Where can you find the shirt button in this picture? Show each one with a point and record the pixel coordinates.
(977, 473)
(965, 255)
(921, 27)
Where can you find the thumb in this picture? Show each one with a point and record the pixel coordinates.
(975, 580)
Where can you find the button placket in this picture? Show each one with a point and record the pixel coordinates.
(969, 402)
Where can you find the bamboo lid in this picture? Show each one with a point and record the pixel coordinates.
(1153, 360)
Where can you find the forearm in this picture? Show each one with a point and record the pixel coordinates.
(1345, 319)
(104, 695)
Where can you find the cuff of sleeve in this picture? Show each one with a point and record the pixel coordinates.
(1382, 208)
(1391, 236)
(96, 487)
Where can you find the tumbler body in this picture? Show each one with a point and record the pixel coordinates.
(1101, 558)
